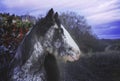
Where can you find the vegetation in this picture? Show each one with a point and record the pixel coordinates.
(101, 58)
(81, 32)
(100, 54)
(100, 66)
(12, 30)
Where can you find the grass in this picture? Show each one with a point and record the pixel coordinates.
(104, 66)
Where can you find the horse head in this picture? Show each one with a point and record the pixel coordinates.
(57, 39)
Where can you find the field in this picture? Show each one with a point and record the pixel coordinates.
(104, 66)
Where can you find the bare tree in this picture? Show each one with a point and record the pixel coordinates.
(81, 31)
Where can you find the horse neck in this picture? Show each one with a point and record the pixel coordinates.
(30, 46)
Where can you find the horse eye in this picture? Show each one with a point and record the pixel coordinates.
(61, 30)
(57, 30)
(70, 48)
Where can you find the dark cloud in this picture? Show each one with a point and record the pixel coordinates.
(108, 30)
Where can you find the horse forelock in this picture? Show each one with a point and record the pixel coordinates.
(42, 26)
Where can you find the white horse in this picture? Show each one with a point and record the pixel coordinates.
(48, 38)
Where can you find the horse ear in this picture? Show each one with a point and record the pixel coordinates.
(56, 15)
(50, 14)
(57, 20)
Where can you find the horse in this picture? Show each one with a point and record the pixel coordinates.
(43, 43)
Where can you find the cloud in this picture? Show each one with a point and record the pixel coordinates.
(99, 14)
(103, 13)
(93, 10)
(107, 31)
(38, 3)
(23, 3)
(104, 17)
(110, 36)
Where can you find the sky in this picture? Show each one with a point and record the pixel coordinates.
(102, 15)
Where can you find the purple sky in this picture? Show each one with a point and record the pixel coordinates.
(102, 15)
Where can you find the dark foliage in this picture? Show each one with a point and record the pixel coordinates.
(111, 44)
(97, 67)
(81, 32)
(11, 34)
